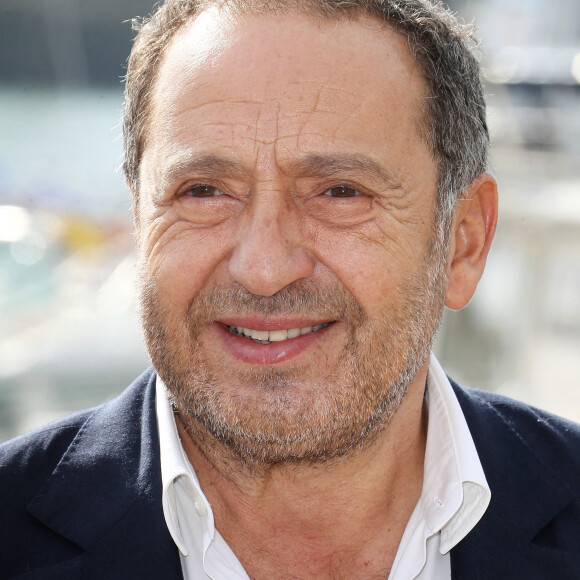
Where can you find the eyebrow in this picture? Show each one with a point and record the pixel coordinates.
(206, 165)
(336, 165)
(314, 165)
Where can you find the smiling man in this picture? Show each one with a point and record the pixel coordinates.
(309, 190)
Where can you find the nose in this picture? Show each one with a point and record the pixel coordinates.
(270, 252)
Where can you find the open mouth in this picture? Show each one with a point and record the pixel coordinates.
(269, 336)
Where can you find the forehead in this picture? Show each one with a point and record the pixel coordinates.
(291, 82)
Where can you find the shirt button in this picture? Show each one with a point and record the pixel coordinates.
(440, 503)
(199, 507)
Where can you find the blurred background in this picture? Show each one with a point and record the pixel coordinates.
(69, 336)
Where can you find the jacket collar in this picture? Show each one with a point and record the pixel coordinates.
(105, 493)
(530, 485)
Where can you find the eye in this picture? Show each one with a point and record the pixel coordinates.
(342, 191)
(203, 191)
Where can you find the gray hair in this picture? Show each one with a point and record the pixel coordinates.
(454, 127)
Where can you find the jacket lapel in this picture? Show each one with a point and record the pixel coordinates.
(532, 483)
(105, 494)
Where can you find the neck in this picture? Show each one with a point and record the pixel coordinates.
(352, 509)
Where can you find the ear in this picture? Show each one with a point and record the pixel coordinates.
(471, 234)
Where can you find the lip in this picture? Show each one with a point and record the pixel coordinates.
(250, 352)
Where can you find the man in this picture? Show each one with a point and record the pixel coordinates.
(309, 191)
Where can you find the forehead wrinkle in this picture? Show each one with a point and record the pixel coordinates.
(267, 126)
(230, 103)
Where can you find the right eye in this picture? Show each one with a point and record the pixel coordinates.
(203, 191)
(342, 191)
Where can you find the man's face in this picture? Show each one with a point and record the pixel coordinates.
(286, 194)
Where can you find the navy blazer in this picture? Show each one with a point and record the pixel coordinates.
(81, 498)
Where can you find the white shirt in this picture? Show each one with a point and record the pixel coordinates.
(454, 496)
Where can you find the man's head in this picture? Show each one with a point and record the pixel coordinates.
(294, 254)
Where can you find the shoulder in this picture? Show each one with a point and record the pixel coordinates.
(30, 458)
(531, 462)
(26, 461)
(484, 404)
(494, 419)
(73, 494)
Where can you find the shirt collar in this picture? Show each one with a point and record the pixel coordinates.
(455, 493)
(178, 474)
(452, 463)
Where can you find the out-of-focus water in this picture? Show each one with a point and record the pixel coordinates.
(61, 149)
(69, 336)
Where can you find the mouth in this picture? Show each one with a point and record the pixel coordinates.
(279, 335)
(259, 341)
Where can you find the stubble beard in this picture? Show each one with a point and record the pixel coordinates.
(276, 415)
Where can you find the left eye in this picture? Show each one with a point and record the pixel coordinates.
(342, 191)
(203, 191)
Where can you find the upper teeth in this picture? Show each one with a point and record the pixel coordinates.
(265, 336)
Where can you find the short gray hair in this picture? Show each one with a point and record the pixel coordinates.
(455, 126)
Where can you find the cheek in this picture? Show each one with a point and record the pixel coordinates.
(183, 265)
(371, 265)
(364, 268)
